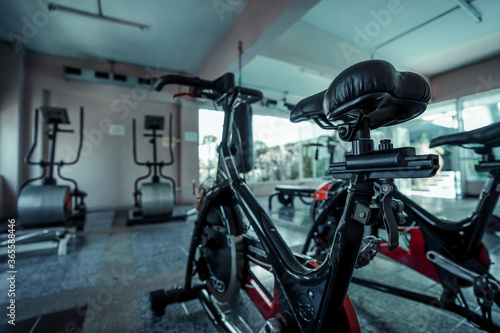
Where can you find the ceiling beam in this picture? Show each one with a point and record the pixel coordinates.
(257, 26)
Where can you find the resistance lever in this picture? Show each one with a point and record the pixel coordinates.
(391, 219)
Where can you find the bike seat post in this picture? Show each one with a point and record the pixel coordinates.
(362, 142)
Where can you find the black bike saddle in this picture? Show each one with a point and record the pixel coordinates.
(309, 108)
(487, 136)
(376, 90)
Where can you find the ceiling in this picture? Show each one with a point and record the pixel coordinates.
(292, 48)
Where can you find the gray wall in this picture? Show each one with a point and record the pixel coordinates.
(470, 80)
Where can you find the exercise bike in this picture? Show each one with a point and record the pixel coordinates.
(55, 211)
(154, 201)
(233, 234)
(451, 253)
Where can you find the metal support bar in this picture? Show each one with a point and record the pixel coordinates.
(470, 10)
(53, 6)
(429, 300)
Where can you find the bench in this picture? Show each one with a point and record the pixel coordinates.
(286, 194)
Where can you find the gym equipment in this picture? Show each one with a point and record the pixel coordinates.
(49, 205)
(451, 253)
(154, 201)
(287, 193)
(233, 234)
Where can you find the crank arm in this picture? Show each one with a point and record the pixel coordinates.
(452, 267)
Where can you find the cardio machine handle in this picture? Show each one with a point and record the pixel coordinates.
(80, 144)
(134, 146)
(27, 158)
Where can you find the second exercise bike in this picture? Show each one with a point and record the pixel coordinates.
(451, 253)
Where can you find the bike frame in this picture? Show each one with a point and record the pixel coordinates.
(314, 297)
(307, 297)
(457, 244)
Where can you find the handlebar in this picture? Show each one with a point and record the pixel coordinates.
(80, 140)
(194, 82)
(213, 90)
(249, 95)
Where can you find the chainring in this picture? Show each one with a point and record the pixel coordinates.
(221, 250)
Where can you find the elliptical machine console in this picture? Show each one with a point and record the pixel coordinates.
(154, 201)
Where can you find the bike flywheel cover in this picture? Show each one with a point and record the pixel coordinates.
(222, 255)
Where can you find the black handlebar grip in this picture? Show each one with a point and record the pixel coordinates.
(183, 80)
(210, 89)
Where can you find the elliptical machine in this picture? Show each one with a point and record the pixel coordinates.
(154, 202)
(48, 207)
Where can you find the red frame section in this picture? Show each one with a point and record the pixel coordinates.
(415, 257)
(321, 192)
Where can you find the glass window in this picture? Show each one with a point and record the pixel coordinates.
(209, 136)
(439, 119)
(282, 150)
(477, 111)
(287, 151)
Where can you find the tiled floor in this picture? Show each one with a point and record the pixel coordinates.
(110, 269)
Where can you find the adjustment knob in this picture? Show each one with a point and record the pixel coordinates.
(385, 144)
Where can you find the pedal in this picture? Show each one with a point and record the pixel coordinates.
(159, 299)
(485, 290)
(158, 303)
(368, 251)
(280, 323)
